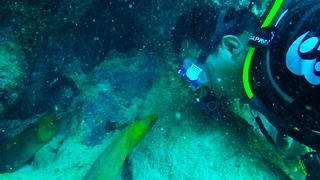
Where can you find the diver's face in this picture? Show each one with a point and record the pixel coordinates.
(225, 73)
(224, 65)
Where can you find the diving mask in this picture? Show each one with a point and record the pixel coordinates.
(194, 73)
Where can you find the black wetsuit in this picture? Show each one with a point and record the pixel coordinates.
(285, 78)
(287, 83)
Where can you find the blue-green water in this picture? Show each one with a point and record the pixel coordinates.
(102, 65)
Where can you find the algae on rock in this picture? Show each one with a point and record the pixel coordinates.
(12, 70)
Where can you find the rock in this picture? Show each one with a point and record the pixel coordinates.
(12, 70)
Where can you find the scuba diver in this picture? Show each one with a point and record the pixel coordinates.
(275, 58)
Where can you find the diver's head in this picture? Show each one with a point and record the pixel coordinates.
(224, 66)
(215, 40)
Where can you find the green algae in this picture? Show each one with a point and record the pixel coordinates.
(109, 162)
(24, 145)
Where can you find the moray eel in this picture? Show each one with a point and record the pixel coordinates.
(110, 161)
(20, 148)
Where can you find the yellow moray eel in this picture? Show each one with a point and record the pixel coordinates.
(109, 163)
(24, 145)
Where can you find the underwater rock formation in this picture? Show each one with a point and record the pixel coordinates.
(115, 86)
(12, 70)
(98, 114)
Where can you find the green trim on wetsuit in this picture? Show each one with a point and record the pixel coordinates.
(245, 73)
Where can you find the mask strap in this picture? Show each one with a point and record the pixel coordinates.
(221, 29)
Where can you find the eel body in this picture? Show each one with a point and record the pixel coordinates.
(110, 161)
(20, 148)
